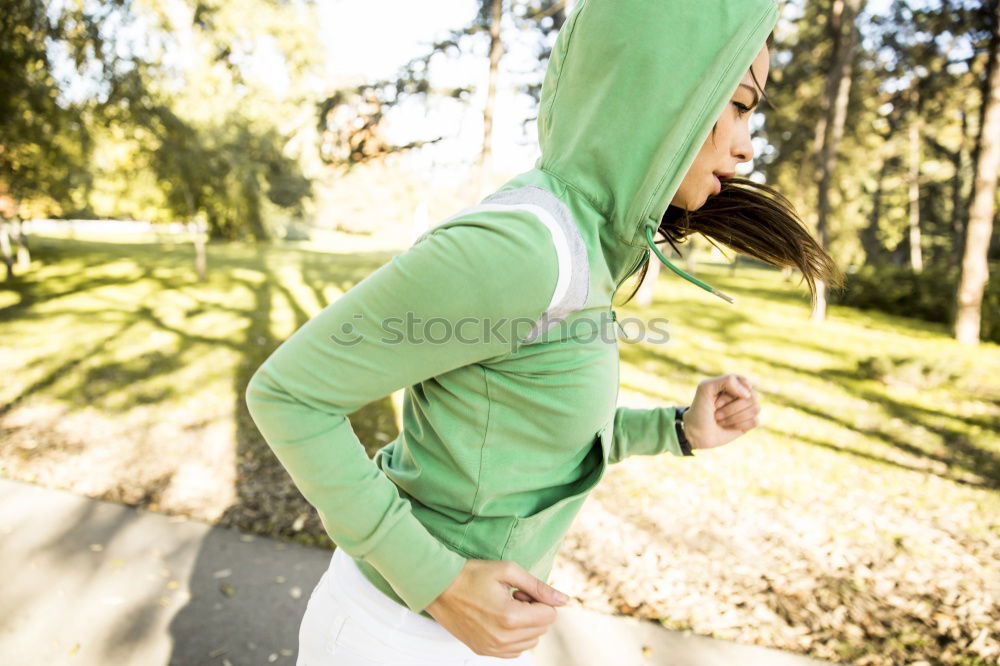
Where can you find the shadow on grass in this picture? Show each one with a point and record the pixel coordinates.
(716, 323)
(964, 454)
(268, 501)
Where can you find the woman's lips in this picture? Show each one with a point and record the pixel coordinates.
(718, 183)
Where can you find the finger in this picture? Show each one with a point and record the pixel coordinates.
(734, 421)
(535, 588)
(532, 615)
(535, 615)
(724, 390)
(520, 595)
(724, 399)
(738, 410)
(523, 645)
(734, 386)
(746, 382)
(735, 408)
(743, 425)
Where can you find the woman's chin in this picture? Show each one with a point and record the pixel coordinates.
(698, 204)
(687, 205)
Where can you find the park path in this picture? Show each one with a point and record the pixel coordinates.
(93, 583)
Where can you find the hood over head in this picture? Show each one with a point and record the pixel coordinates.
(632, 90)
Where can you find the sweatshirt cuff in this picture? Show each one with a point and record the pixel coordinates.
(415, 563)
(644, 432)
(668, 431)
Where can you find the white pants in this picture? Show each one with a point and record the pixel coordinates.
(350, 622)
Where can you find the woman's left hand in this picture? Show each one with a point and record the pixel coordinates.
(723, 408)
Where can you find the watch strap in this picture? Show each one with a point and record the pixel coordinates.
(679, 427)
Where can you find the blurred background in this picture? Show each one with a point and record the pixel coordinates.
(183, 184)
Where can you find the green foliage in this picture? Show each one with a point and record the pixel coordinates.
(150, 138)
(208, 136)
(43, 142)
(224, 171)
(918, 62)
(928, 295)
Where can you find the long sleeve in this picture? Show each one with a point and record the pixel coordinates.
(644, 432)
(400, 325)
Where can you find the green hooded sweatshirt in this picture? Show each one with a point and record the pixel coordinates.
(497, 322)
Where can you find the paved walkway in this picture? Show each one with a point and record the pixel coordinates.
(94, 583)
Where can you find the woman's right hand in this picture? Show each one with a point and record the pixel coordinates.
(478, 609)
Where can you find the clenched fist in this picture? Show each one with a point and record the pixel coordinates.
(723, 408)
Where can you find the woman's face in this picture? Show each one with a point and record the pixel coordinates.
(728, 145)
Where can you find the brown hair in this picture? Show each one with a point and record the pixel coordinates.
(756, 220)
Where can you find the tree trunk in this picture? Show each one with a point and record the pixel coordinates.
(869, 235)
(830, 129)
(200, 260)
(496, 53)
(975, 269)
(8, 257)
(255, 223)
(23, 251)
(958, 211)
(916, 255)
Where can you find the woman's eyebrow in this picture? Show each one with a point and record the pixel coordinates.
(756, 95)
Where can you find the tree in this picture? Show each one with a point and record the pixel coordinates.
(795, 125)
(922, 45)
(843, 27)
(547, 18)
(351, 118)
(495, 10)
(914, 134)
(914, 53)
(975, 268)
(44, 147)
(226, 161)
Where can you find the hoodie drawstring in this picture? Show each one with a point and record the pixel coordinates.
(690, 278)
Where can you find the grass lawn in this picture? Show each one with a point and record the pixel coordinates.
(858, 523)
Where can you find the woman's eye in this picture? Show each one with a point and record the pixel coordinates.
(741, 109)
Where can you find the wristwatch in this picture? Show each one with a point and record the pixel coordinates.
(679, 426)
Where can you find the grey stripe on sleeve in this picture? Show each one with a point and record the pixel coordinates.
(575, 295)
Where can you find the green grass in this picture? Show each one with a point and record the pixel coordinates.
(857, 389)
(122, 338)
(113, 326)
(125, 376)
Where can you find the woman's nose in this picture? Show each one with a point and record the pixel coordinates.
(743, 147)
